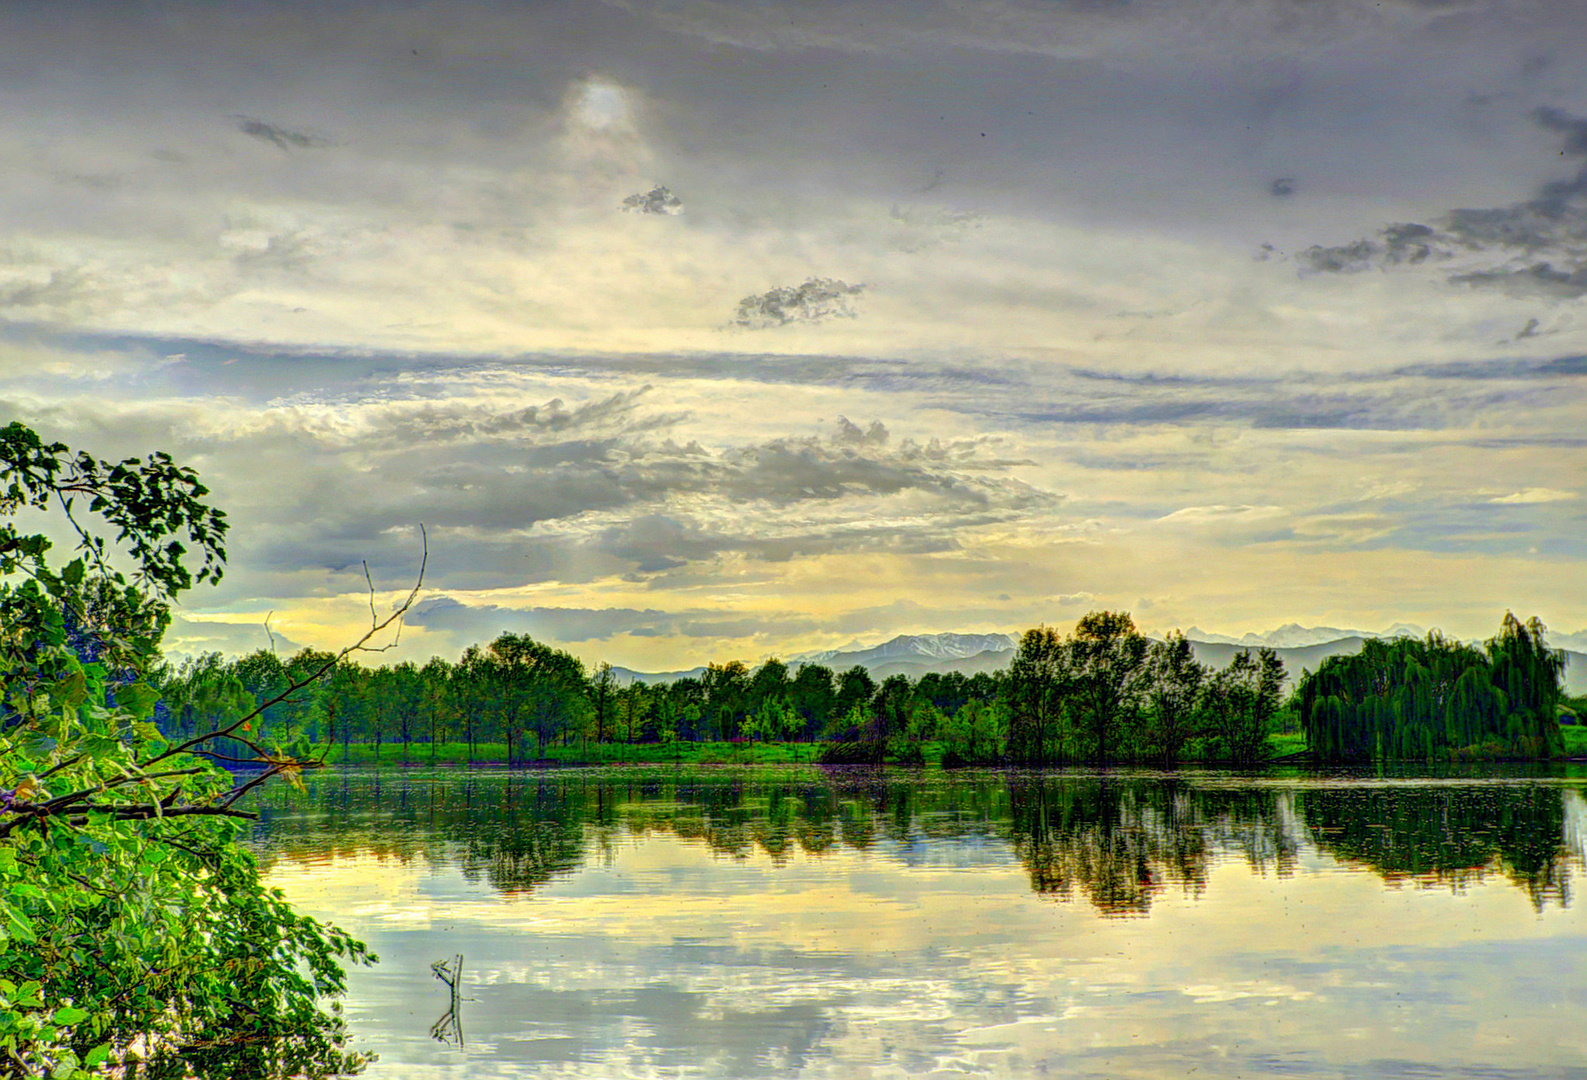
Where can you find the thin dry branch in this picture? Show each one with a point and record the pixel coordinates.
(74, 806)
(361, 645)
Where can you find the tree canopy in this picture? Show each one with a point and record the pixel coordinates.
(134, 928)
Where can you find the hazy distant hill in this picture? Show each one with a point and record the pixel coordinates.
(1309, 657)
(1295, 636)
(629, 675)
(913, 649)
(1301, 648)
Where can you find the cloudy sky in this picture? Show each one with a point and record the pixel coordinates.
(696, 330)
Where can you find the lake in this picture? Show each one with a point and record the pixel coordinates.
(739, 923)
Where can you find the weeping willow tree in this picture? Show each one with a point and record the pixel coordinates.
(1432, 698)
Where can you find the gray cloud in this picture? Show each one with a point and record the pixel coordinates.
(562, 492)
(1553, 222)
(816, 300)
(285, 138)
(1281, 186)
(658, 200)
(63, 291)
(1540, 279)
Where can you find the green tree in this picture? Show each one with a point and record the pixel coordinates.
(855, 689)
(1528, 672)
(1038, 684)
(1106, 653)
(1240, 703)
(1172, 685)
(975, 734)
(891, 704)
(812, 697)
(726, 697)
(135, 925)
(1436, 698)
(603, 699)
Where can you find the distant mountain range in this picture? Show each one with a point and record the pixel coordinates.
(1301, 648)
(1295, 636)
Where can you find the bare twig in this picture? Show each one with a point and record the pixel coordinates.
(74, 806)
(361, 645)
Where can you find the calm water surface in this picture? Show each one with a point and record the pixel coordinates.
(756, 923)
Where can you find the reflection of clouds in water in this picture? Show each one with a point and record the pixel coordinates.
(605, 973)
(674, 930)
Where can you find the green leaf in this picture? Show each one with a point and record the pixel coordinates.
(138, 699)
(18, 923)
(96, 1057)
(72, 690)
(68, 1015)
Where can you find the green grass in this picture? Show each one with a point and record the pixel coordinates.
(685, 753)
(1284, 745)
(714, 753)
(1575, 739)
(452, 754)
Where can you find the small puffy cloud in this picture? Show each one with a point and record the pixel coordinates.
(1536, 495)
(658, 200)
(1349, 258)
(1406, 243)
(850, 433)
(62, 292)
(285, 138)
(817, 300)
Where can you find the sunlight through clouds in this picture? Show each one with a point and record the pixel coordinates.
(1147, 306)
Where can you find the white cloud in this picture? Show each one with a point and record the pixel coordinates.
(1536, 495)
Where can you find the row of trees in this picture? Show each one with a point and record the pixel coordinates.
(522, 695)
(1433, 698)
(1106, 692)
(1102, 693)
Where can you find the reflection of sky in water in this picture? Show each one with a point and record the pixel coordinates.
(932, 956)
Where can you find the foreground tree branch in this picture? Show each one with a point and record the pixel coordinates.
(135, 932)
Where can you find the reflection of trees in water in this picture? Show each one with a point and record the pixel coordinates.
(1117, 841)
(1447, 835)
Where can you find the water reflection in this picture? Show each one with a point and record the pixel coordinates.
(1115, 841)
(737, 924)
(1448, 834)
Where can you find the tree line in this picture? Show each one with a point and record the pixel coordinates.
(523, 696)
(1102, 693)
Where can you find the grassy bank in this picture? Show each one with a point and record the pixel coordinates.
(679, 753)
(1575, 739)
